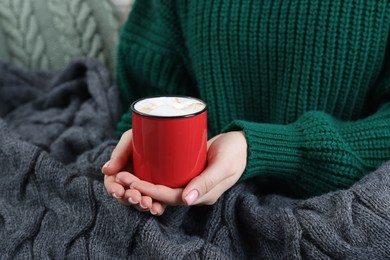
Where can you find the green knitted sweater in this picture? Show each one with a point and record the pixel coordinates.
(308, 81)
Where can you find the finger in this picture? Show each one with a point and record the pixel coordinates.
(213, 195)
(133, 196)
(157, 208)
(125, 178)
(146, 202)
(160, 193)
(214, 175)
(120, 155)
(113, 188)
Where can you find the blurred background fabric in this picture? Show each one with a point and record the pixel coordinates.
(48, 34)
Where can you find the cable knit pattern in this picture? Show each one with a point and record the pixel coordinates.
(42, 34)
(74, 18)
(26, 45)
(56, 134)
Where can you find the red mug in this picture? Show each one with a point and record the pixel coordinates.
(169, 149)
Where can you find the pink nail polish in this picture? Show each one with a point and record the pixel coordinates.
(131, 201)
(142, 206)
(191, 197)
(115, 196)
(106, 164)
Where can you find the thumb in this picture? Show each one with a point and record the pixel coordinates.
(199, 185)
(121, 155)
(204, 188)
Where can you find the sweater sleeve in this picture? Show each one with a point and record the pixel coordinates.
(151, 56)
(319, 153)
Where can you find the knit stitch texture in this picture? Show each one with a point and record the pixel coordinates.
(48, 34)
(308, 81)
(57, 130)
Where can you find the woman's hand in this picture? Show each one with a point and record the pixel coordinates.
(119, 161)
(118, 178)
(226, 161)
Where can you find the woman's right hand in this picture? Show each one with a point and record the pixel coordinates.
(118, 178)
(119, 161)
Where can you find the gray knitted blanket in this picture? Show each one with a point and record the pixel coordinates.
(57, 129)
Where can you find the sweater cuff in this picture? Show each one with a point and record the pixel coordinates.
(273, 150)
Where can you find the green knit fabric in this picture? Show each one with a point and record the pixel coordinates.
(48, 34)
(308, 81)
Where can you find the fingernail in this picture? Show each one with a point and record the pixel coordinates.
(142, 206)
(106, 164)
(131, 201)
(191, 197)
(153, 212)
(115, 196)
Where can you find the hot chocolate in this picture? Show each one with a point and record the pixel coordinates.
(169, 106)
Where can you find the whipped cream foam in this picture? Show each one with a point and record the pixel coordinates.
(169, 106)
